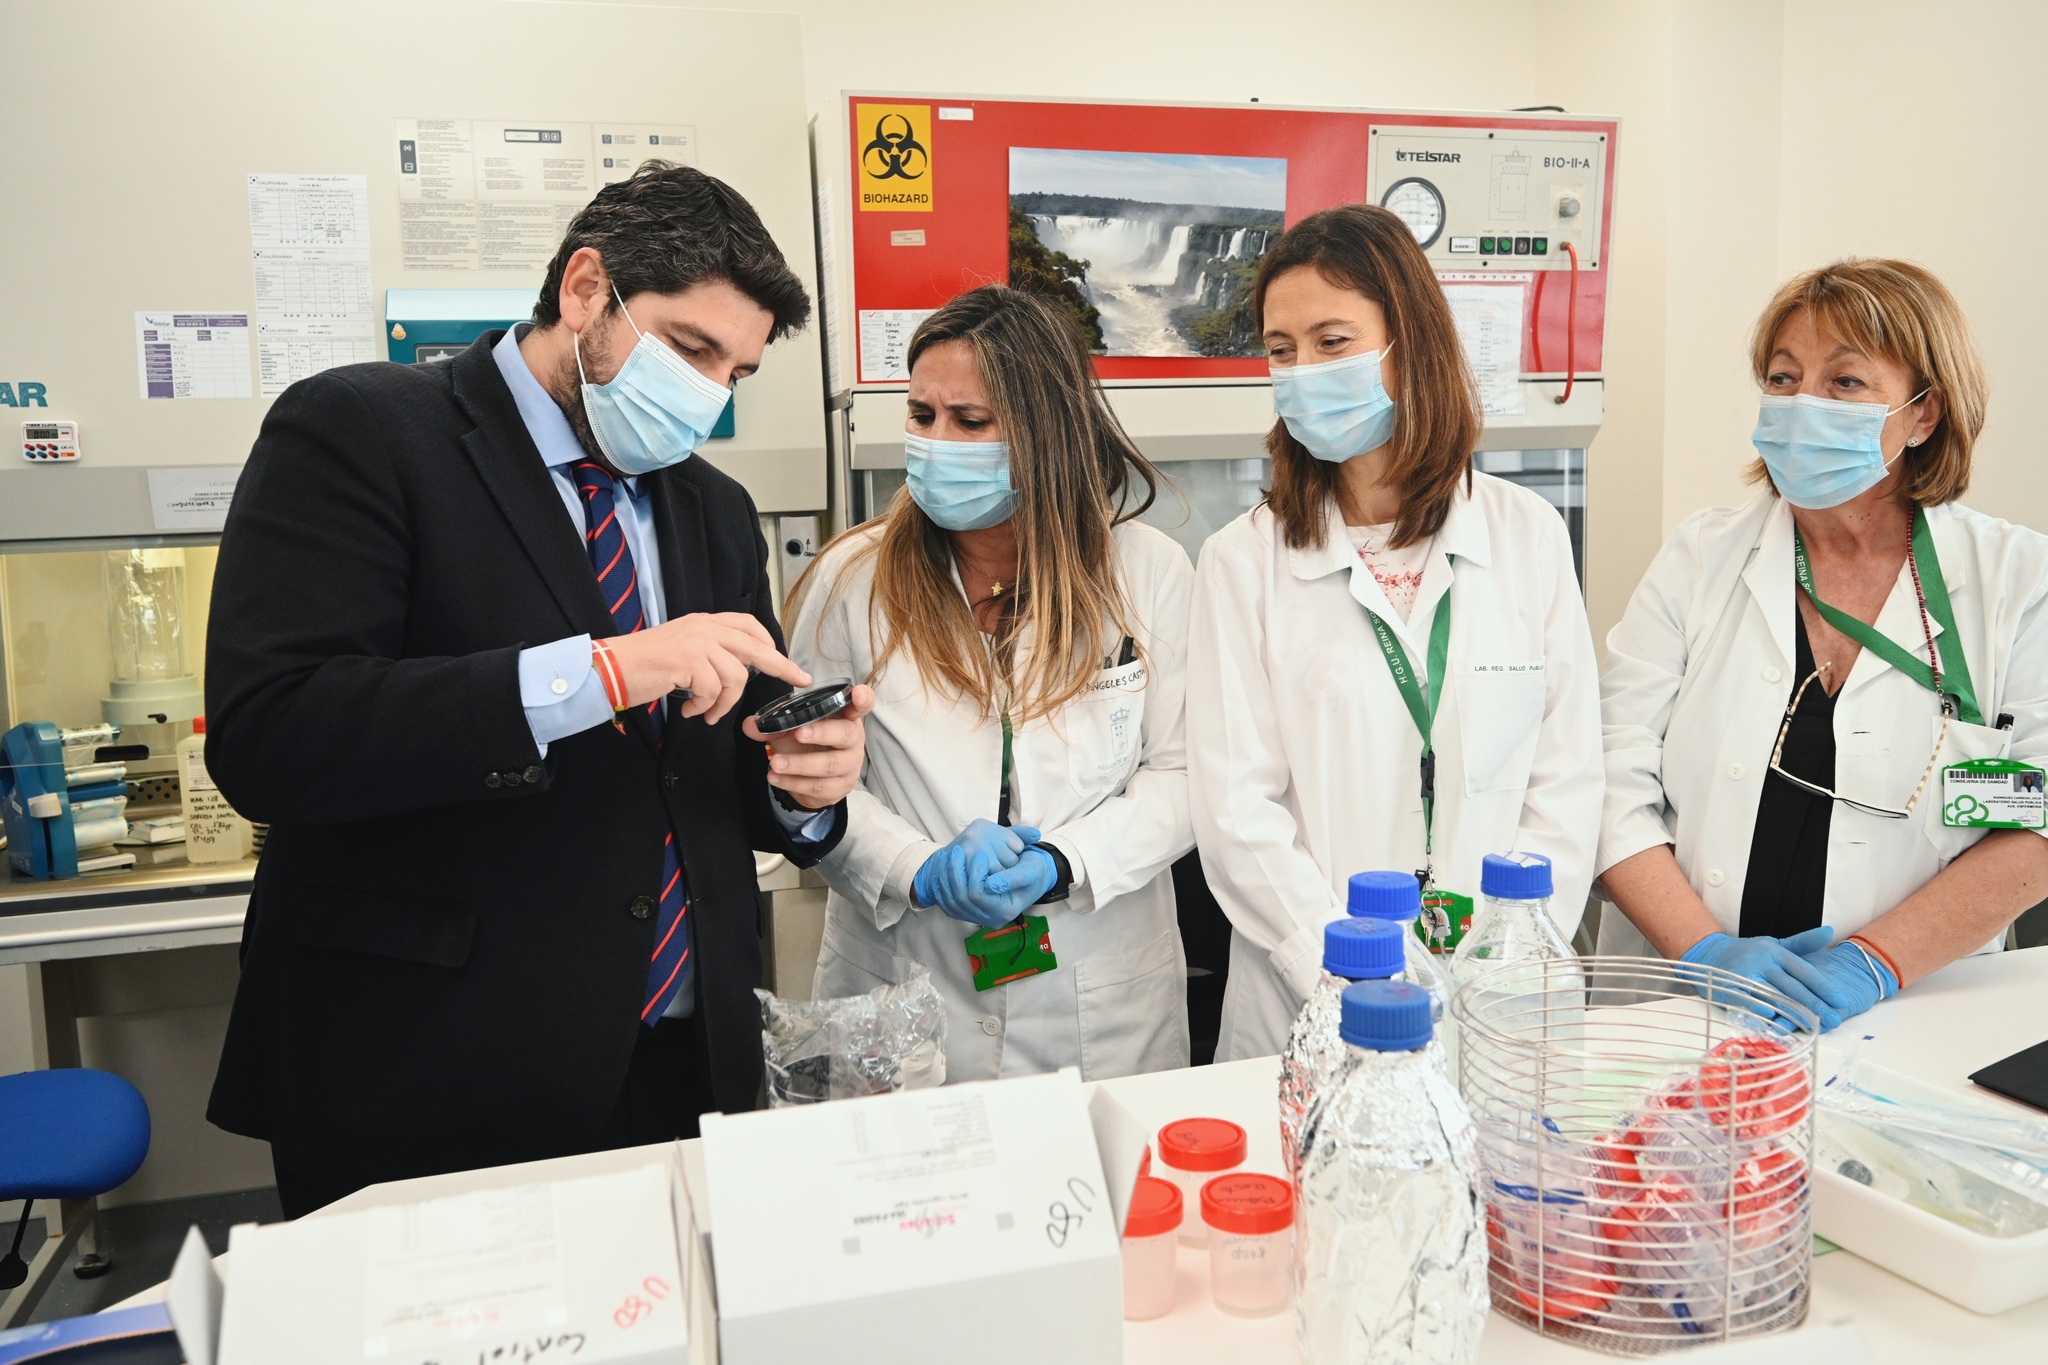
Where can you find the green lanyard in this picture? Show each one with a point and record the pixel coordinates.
(1421, 708)
(1003, 796)
(1954, 680)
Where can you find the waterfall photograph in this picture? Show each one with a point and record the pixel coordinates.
(1154, 253)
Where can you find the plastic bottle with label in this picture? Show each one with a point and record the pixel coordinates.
(1353, 950)
(214, 833)
(1390, 1247)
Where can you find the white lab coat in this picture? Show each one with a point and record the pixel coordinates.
(1105, 779)
(1701, 665)
(1305, 761)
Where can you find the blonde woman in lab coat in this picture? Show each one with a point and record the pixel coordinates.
(1778, 739)
(1378, 552)
(1004, 608)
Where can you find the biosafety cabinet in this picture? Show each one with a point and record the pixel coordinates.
(209, 200)
(1148, 221)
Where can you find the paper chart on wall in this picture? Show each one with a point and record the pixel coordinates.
(885, 341)
(192, 355)
(481, 195)
(309, 240)
(1487, 309)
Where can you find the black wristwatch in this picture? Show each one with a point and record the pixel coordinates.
(792, 805)
(1063, 875)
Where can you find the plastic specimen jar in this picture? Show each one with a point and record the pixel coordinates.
(1192, 1152)
(1151, 1248)
(1251, 1242)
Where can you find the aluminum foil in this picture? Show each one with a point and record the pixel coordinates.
(1390, 1247)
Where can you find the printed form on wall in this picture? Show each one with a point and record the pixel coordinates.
(192, 355)
(309, 238)
(1487, 308)
(477, 195)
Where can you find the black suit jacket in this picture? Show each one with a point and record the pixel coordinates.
(446, 952)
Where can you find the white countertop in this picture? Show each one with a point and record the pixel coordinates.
(1964, 1017)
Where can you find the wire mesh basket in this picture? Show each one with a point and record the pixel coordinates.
(1645, 1132)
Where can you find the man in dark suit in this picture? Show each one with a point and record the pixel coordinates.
(482, 643)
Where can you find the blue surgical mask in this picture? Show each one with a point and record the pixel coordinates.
(655, 411)
(1337, 409)
(1821, 452)
(961, 485)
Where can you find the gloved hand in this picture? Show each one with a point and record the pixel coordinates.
(1862, 981)
(949, 877)
(1780, 964)
(1016, 889)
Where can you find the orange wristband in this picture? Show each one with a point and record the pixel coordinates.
(608, 673)
(1882, 956)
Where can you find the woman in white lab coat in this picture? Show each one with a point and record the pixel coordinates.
(1026, 640)
(1779, 739)
(1377, 552)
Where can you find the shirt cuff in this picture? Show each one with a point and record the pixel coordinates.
(804, 826)
(560, 691)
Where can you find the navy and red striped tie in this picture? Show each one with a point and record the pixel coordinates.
(617, 577)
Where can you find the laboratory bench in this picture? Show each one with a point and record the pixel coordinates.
(1965, 1016)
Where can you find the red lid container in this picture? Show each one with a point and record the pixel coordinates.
(1155, 1208)
(1248, 1204)
(1202, 1145)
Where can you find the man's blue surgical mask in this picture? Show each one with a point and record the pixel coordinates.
(655, 411)
(1337, 409)
(1821, 452)
(961, 485)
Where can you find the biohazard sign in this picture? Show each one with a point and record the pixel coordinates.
(895, 157)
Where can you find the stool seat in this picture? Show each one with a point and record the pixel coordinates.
(71, 1133)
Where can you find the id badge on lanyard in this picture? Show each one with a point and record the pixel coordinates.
(1980, 793)
(1446, 915)
(1023, 947)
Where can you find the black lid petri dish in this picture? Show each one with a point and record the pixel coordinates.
(801, 708)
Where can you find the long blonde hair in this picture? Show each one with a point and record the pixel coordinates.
(1073, 468)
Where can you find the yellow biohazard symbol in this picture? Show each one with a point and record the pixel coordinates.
(895, 153)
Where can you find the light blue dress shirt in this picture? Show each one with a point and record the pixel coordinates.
(558, 686)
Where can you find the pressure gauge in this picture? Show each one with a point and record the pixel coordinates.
(1419, 204)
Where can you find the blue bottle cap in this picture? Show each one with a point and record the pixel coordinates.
(1362, 949)
(1385, 895)
(1515, 876)
(1386, 1016)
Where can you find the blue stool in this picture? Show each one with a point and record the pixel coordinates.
(69, 1135)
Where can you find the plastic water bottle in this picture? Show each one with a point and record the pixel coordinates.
(1390, 1251)
(1353, 950)
(1513, 924)
(1397, 897)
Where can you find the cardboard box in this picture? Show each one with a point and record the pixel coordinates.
(582, 1269)
(968, 1222)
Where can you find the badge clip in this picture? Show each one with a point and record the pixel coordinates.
(1019, 949)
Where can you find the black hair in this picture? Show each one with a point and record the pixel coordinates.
(668, 227)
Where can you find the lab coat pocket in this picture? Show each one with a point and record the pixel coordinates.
(1963, 742)
(1102, 729)
(1134, 1010)
(1500, 712)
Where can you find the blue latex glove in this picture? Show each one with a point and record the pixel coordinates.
(1781, 964)
(950, 877)
(1862, 980)
(1016, 889)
